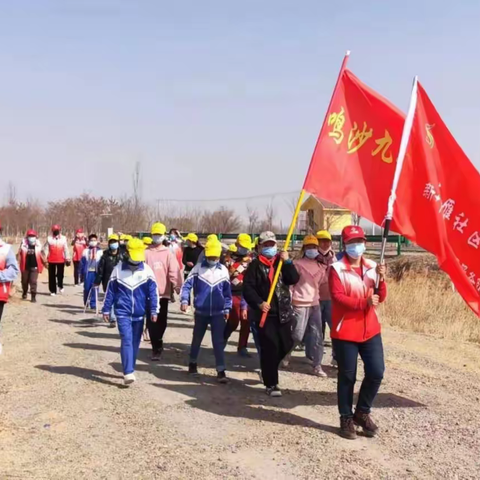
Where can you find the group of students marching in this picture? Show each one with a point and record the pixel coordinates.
(230, 287)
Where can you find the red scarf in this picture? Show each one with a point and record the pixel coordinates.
(269, 262)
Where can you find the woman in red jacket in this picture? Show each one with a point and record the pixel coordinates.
(356, 331)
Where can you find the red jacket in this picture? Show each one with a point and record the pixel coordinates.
(79, 245)
(353, 319)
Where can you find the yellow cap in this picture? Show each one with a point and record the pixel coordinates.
(232, 248)
(212, 237)
(192, 237)
(128, 238)
(256, 241)
(113, 236)
(324, 235)
(245, 241)
(136, 250)
(213, 249)
(158, 229)
(123, 236)
(310, 240)
(147, 240)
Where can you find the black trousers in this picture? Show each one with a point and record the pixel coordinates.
(77, 276)
(371, 352)
(275, 343)
(157, 330)
(2, 304)
(30, 278)
(56, 272)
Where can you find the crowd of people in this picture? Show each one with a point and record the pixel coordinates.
(228, 288)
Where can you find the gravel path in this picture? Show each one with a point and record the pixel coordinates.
(65, 414)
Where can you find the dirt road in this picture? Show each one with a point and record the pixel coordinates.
(65, 414)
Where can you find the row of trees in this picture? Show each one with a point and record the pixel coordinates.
(96, 214)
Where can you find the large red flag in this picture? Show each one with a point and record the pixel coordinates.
(438, 200)
(354, 160)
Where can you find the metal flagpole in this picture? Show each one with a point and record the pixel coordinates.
(302, 195)
(407, 129)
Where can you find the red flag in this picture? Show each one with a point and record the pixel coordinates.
(437, 204)
(354, 160)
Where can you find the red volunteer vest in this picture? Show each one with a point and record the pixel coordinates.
(355, 325)
(56, 249)
(4, 287)
(23, 256)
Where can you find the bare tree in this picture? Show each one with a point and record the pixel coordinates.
(223, 220)
(253, 218)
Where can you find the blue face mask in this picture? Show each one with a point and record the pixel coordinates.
(269, 252)
(311, 253)
(355, 250)
(242, 250)
(32, 240)
(113, 246)
(212, 263)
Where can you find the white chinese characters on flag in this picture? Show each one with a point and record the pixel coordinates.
(438, 200)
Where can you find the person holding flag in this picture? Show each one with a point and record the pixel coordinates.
(356, 330)
(79, 244)
(275, 335)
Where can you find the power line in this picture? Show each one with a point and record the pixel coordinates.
(204, 200)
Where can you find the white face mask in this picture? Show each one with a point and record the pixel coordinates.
(32, 240)
(324, 252)
(158, 239)
(93, 243)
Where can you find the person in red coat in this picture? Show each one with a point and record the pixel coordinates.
(31, 263)
(79, 244)
(356, 330)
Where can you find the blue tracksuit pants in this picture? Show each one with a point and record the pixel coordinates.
(87, 286)
(130, 335)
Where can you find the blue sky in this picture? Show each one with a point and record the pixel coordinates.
(215, 98)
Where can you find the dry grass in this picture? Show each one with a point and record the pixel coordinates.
(421, 299)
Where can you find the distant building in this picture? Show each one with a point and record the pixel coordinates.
(318, 214)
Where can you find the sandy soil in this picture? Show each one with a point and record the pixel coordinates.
(65, 414)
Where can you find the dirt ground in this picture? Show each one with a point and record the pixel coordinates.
(65, 414)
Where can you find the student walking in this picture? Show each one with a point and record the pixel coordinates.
(79, 244)
(168, 278)
(237, 263)
(276, 334)
(212, 301)
(306, 303)
(90, 260)
(131, 292)
(356, 331)
(31, 264)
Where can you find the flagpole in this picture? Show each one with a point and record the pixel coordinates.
(303, 192)
(407, 129)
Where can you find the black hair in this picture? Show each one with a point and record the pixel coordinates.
(92, 235)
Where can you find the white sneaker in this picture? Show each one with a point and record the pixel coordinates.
(52, 294)
(318, 372)
(333, 363)
(274, 392)
(62, 290)
(129, 378)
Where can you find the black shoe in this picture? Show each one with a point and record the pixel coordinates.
(156, 355)
(222, 377)
(347, 428)
(34, 298)
(192, 369)
(24, 296)
(365, 421)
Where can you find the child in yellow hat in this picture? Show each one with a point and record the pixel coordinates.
(210, 282)
(132, 291)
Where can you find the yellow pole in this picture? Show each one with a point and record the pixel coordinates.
(285, 249)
